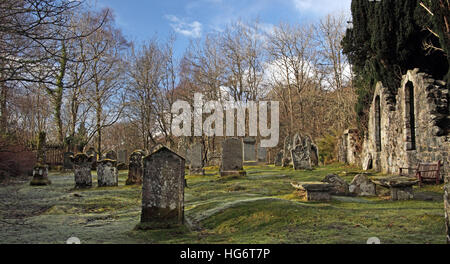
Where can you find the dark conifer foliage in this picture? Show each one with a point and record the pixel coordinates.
(387, 39)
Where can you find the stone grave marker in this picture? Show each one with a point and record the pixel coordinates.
(107, 173)
(135, 168)
(249, 149)
(232, 162)
(196, 156)
(163, 190)
(82, 164)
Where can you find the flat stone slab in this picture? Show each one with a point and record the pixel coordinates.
(315, 191)
(401, 187)
(396, 182)
(312, 186)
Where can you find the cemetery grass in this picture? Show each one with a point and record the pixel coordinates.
(258, 208)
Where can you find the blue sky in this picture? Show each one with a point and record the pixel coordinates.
(141, 20)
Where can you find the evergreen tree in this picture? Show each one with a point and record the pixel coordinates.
(387, 40)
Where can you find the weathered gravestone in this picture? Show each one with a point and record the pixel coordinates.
(183, 148)
(287, 152)
(67, 163)
(362, 186)
(196, 155)
(82, 164)
(262, 154)
(232, 163)
(163, 190)
(447, 206)
(338, 185)
(135, 168)
(91, 152)
(107, 173)
(122, 156)
(40, 170)
(249, 149)
(301, 153)
(279, 159)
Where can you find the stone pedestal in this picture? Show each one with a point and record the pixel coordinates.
(135, 168)
(163, 190)
(107, 173)
(314, 191)
(40, 176)
(401, 187)
(82, 170)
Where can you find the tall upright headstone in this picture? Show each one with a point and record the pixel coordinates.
(163, 189)
(40, 169)
(232, 162)
(301, 153)
(67, 163)
(196, 155)
(135, 168)
(183, 149)
(82, 165)
(122, 156)
(262, 154)
(107, 173)
(279, 159)
(249, 149)
(287, 152)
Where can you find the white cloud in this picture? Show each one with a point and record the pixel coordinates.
(322, 7)
(193, 29)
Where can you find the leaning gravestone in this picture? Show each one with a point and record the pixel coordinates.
(107, 173)
(163, 190)
(135, 168)
(232, 163)
(249, 149)
(362, 186)
(196, 155)
(262, 154)
(82, 164)
(67, 163)
(338, 185)
(279, 159)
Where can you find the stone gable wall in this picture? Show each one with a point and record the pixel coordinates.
(397, 139)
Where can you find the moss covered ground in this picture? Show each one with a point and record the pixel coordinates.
(258, 208)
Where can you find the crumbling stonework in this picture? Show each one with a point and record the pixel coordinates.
(135, 168)
(411, 129)
(163, 189)
(107, 173)
(348, 147)
(82, 164)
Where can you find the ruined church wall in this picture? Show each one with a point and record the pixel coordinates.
(391, 142)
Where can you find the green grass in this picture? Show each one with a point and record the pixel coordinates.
(258, 208)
